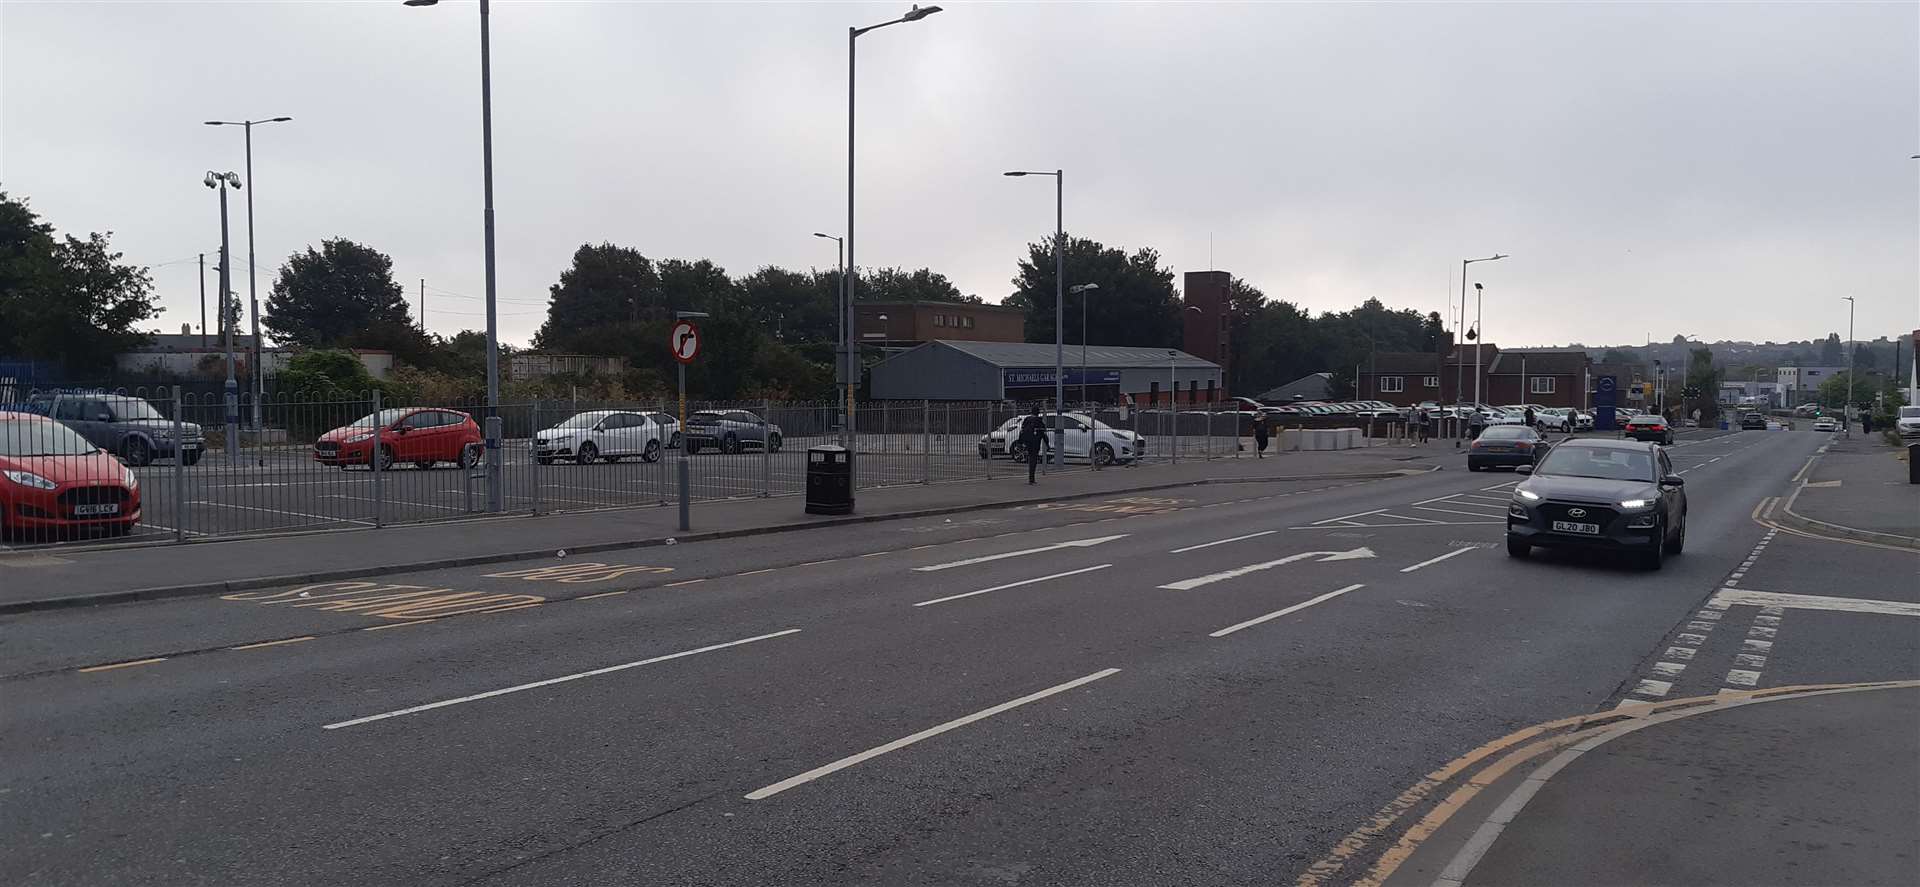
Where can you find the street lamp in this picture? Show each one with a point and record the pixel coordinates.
(253, 273)
(1059, 300)
(1082, 289)
(1457, 365)
(914, 14)
(493, 328)
(840, 369)
(221, 181)
(1853, 350)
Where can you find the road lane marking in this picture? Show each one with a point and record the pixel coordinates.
(1223, 541)
(1649, 687)
(1077, 543)
(1430, 562)
(898, 744)
(1813, 602)
(398, 625)
(755, 572)
(551, 681)
(111, 666)
(1424, 520)
(586, 571)
(1237, 572)
(955, 597)
(683, 582)
(601, 594)
(1349, 516)
(319, 517)
(273, 643)
(1279, 613)
(1458, 523)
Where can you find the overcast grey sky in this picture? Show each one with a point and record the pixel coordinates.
(1722, 170)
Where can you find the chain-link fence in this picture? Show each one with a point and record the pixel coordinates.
(187, 466)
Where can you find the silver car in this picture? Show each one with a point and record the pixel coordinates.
(729, 431)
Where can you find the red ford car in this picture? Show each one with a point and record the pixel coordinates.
(52, 481)
(1650, 428)
(424, 436)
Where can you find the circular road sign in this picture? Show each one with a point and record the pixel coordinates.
(1606, 383)
(684, 341)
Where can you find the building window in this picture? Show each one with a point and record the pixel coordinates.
(966, 322)
(1542, 384)
(1430, 381)
(1393, 384)
(939, 320)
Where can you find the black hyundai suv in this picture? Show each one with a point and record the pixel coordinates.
(1596, 493)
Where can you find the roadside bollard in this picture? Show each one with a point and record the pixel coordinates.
(373, 459)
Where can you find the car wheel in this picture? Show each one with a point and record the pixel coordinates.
(674, 444)
(984, 454)
(120, 529)
(137, 452)
(470, 456)
(1103, 454)
(652, 453)
(1679, 541)
(773, 443)
(190, 458)
(586, 453)
(1473, 466)
(385, 458)
(730, 443)
(1517, 548)
(1656, 554)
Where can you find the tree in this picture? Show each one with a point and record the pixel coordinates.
(1704, 379)
(1833, 392)
(898, 285)
(1434, 338)
(1616, 357)
(795, 306)
(1830, 351)
(342, 295)
(66, 300)
(600, 301)
(1136, 298)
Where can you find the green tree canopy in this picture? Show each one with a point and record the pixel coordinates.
(341, 295)
(66, 300)
(900, 285)
(600, 302)
(1135, 304)
(1831, 352)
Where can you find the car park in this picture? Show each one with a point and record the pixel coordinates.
(424, 436)
(54, 481)
(1605, 494)
(1825, 423)
(1649, 428)
(1506, 445)
(128, 427)
(730, 431)
(601, 434)
(1085, 438)
(1755, 422)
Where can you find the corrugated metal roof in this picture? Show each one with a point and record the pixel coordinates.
(1539, 363)
(1031, 354)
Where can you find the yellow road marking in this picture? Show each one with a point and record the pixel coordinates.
(272, 643)
(110, 667)
(601, 594)
(398, 625)
(683, 582)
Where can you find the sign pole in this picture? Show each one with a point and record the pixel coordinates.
(685, 517)
(684, 343)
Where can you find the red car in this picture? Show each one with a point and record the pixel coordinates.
(424, 436)
(1650, 428)
(52, 480)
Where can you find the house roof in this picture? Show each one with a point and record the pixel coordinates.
(1539, 363)
(1401, 362)
(1030, 354)
(1314, 386)
(1463, 353)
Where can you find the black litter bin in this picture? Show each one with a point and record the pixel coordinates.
(829, 480)
(1913, 463)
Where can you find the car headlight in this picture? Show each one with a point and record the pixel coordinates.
(1518, 512)
(129, 478)
(29, 479)
(1635, 503)
(364, 435)
(1528, 495)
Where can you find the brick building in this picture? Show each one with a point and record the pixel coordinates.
(1547, 378)
(1402, 378)
(900, 325)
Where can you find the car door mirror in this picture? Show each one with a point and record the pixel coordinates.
(1673, 480)
(400, 429)
(1523, 469)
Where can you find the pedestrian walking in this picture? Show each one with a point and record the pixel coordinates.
(1530, 421)
(1422, 424)
(1260, 435)
(1033, 435)
(1476, 422)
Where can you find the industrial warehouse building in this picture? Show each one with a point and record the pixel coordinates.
(1022, 371)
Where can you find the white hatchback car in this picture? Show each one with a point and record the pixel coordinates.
(1086, 438)
(1826, 423)
(601, 434)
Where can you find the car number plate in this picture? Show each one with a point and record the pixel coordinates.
(1567, 526)
(110, 508)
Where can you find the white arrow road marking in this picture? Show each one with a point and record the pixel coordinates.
(955, 597)
(1431, 561)
(1077, 543)
(1237, 572)
(1223, 541)
(1279, 613)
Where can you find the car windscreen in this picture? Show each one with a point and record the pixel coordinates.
(1607, 463)
(1910, 412)
(41, 439)
(128, 409)
(584, 420)
(384, 417)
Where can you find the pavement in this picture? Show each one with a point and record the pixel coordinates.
(1222, 683)
(1858, 488)
(48, 577)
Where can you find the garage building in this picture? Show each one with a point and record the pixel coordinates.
(1023, 371)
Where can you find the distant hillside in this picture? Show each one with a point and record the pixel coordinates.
(1741, 358)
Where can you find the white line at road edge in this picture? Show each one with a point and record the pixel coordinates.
(551, 681)
(897, 744)
(1431, 562)
(955, 597)
(1223, 542)
(1058, 546)
(1279, 613)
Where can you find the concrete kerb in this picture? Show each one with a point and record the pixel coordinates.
(233, 585)
(1798, 521)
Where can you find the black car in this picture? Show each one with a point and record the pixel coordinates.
(1753, 422)
(1608, 494)
(1510, 445)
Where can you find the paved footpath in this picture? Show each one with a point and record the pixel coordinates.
(47, 577)
(1858, 488)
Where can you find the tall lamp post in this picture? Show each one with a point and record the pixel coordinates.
(914, 14)
(1081, 289)
(1853, 371)
(221, 181)
(1059, 303)
(1458, 366)
(840, 369)
(493, 329)
(253, 273)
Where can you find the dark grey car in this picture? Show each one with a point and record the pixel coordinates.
(1608, 494)
(730, 431)
(127, 427)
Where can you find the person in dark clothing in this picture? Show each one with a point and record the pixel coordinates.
(1530, 421)
(1260, 435)
(1475, 423)
(1033, 435)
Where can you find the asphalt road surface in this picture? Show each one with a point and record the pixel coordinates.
(1209, 685)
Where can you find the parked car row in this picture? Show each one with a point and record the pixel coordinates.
(1085, 438)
